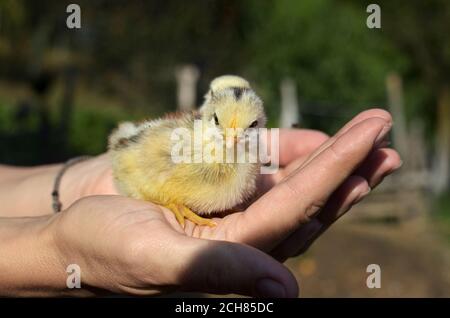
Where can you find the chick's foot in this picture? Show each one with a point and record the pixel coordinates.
(182, 212)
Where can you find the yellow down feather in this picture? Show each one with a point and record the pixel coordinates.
(143, 167)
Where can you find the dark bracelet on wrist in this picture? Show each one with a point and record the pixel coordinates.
(56, 204)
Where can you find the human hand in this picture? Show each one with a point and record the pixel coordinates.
(337, 171)
(310, 192)
(299, 154)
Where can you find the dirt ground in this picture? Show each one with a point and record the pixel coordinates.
(413, 257)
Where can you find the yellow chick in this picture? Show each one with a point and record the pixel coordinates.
(143, 154)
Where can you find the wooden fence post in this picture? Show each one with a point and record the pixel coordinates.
(290, 112)
(395, 103)
(441, 164)
(187, 77)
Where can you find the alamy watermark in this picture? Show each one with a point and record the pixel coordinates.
(73, 20)
(374, 19)
(233, 145)
(374, 279)
(74, 277)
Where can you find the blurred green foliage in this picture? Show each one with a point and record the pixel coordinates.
(325, 47)
(126, 53)
(88, 132)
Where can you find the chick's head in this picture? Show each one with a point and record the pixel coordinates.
(232, 107)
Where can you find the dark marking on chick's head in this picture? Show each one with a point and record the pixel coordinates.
(238, 92)
(125, 142)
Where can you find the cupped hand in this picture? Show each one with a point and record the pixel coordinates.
(145, 251)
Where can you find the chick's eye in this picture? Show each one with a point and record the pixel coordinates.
(253, 124)
(216, 120)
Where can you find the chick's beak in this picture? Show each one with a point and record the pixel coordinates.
(231, 137)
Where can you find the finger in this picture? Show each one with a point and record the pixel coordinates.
(294, 143)
(267, 181)
(222, 267)
(371, 113)
(379, 164)
(298, 198)
(351, 191)
(298, 242)
(295, 149)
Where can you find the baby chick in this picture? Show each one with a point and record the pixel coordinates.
(144, 168)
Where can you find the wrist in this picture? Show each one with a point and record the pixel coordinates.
(90, 177)
(27, 191)
(30, 261)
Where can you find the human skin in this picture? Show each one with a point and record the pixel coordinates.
(129, 246)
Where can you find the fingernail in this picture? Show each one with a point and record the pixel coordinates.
(399, 165)
(383, 134)
(383, 144)
(392, 170)
(361, 196)
(269, 288)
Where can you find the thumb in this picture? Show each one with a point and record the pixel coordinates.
(223, 267)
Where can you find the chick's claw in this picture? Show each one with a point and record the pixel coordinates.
(193, 217)
(178, 215)
(182, 212)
